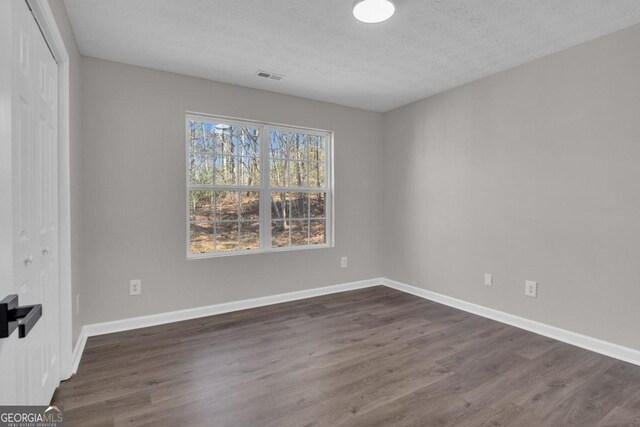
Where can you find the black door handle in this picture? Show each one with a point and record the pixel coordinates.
(13, 316)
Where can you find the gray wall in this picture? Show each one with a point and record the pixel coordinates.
(528, 174)
(133, 194)
(75, 151)
(533, 173)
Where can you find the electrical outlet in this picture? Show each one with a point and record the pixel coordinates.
(488, 279)
(343, 262)
(135, 287)
(531, 288)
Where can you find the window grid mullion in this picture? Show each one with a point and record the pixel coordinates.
(239, 217)
(265, 196)
(198, 187)
(298, 190)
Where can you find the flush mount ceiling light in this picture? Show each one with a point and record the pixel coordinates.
(373, 11)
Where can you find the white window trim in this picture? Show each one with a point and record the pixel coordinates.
(264, 188)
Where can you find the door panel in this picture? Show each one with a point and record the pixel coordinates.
(45, 243)
(35, 219)
(23, 148)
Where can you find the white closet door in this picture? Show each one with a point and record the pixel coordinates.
(35, 198)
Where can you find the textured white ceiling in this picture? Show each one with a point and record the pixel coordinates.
(427, 47)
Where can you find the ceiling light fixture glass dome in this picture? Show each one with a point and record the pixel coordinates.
(373, 11)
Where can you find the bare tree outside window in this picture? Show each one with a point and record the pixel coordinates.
(227, 184)
(295, 164)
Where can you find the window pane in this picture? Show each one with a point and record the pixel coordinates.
(224, 142)
(316, 174)
(200, 137)
(201, 206)
(279, 206)
(226, 236)
(298, 174)
(317, 148)
(220, 138)
(249, 205)
(248, 140)
(249, 171)
(201, 238)
(289, 205)
(227, 203)
(279, 234)
(200, 169)
(298, 205)
(317, 201)
(226, 170)
(279, 143)
(279, 173)
(299, 233)
(249, 235)
(318, 232)
(298, 147)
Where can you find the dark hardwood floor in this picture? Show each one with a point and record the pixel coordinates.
(362, 358)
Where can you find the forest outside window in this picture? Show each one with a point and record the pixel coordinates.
(256, 187)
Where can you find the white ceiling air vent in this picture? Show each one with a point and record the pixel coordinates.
(270, 76)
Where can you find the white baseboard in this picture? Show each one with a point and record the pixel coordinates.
(78, 350)
(210, 310)
(593, 344)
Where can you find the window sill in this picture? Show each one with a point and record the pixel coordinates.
(191, 257)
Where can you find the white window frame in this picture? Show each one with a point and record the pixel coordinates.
(265, 188)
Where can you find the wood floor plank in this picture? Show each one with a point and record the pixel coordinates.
(591, 402)
(368, 357)
(493, 416)
(621, 417)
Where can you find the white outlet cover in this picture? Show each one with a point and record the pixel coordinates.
(135, 287)
(488, 279)
(531, 288)
(344, 262)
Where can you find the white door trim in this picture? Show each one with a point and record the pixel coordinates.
(44, 17)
